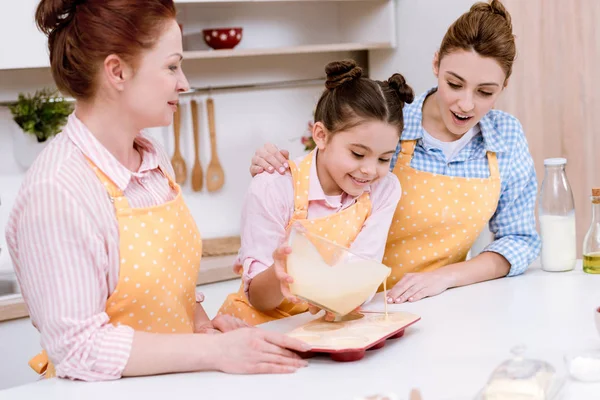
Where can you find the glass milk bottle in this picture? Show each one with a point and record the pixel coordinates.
(556, 211)
(591, 243)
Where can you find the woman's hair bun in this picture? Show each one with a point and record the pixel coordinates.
(51, 14)
(494, 7)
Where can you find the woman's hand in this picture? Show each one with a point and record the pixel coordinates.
(269, 158)
(254, 351)
(416, 286)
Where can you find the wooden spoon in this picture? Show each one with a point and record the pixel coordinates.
(177, 161)
(197, 169)
(215, 177)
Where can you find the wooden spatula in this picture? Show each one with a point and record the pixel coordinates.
(215, 177)
(177, 161)
(197, 169)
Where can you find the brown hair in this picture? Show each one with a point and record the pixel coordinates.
(487, 29)
(82, 33)
(349, 98)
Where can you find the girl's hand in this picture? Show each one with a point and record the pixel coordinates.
(226, 323)
(208, 329)
(329, 316)
(269, 158)
(416, 286)
(280, 270)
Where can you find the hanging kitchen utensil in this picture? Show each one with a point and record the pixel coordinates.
(197, 169)
(177, 161)
(215, 177)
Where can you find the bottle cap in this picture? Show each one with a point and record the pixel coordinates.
(555, 161)
(596, 192)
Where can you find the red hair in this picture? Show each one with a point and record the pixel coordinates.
(82, 33)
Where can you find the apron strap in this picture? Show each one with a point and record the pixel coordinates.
(114, 193)
(301, 180)
(42, 365)
(407, 149)
(493, 163)
(174, 185)
(365, 200)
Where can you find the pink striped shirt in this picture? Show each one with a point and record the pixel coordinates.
(63, 238)
(269, 205)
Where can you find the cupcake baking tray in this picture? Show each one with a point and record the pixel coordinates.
(351, 338)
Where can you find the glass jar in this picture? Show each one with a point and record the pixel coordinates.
(556, 212)
(591, 243)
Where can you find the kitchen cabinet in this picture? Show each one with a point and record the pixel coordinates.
(289, 27)
(282, 27)
(22, 45)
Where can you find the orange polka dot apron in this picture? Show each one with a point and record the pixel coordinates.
(438, 218)
(340, 228)
(160, 251)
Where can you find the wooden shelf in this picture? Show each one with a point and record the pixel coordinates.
(316, 48)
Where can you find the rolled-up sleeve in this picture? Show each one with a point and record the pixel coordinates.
(61, 262)
(513, 224)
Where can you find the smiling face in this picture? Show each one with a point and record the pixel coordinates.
(468, 87)
(352, 159)
(151, 95)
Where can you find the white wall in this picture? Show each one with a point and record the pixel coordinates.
(420, 27)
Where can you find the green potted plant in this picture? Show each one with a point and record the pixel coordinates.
(40, 117)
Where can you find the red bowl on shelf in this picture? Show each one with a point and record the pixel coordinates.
(222, 38)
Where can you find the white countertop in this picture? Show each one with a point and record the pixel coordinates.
(462, 336)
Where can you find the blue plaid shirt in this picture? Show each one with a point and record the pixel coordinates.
(513, 223)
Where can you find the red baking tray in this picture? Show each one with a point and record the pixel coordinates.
(349, 340)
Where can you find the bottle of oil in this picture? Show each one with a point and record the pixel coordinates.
(591, 243)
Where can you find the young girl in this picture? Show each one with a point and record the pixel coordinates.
(104, 247)
(342, 191)
(454, 139)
